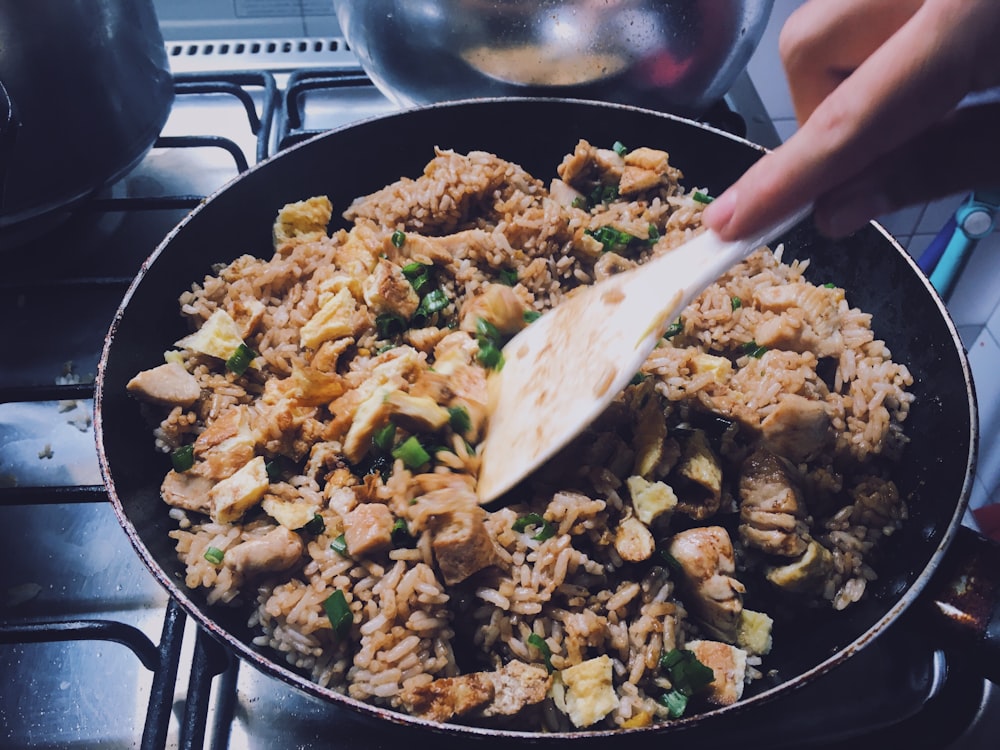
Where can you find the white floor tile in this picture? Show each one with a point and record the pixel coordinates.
(977, 293)
(984, 358)
(938, 212)
(902, 223)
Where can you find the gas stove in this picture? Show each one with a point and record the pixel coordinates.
(92, 650)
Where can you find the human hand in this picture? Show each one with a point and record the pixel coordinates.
(875, 85)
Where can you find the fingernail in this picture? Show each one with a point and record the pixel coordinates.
(719, 213)
(855, 212)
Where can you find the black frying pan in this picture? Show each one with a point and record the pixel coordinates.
(937, 466)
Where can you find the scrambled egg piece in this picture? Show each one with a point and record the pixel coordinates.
(235, 495)
(720, 367)
(590, 692)
(219, 336)
(332, 321)
(754, 635)
(291, 515)
(650, 500)
(302, 220)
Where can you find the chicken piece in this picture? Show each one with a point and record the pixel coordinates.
(771, 506)
(416, 413)
(563, 194)
(706, 557)
(576, 167)
(798, 429)
(388, 290)
(447, 697)
(169, 385)
(462, 544)
(335, 319)
(651, 500)
(227, 444)
(612, 264)
(306, 219)
(728, 663)
(645, 169)
(633, 540)
(361, 249)
(278, 550)
(235, 495)
(390, 371)
(188, 490)
(368, 528)
(447, 250)
(248, 312)
(700, 471)
(517, 685)
(590, 691)
(498, 305)
(806, 318)
(807, 574)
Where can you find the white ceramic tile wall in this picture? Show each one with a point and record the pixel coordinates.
(975, 302)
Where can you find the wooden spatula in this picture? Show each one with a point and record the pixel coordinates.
(564, 369)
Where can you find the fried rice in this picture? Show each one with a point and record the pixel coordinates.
(325, 416)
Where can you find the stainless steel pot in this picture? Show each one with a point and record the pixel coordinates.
(681, 56)
(85, 88)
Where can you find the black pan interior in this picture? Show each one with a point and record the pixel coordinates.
(875, 272)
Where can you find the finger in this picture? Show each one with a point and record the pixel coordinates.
(960, 154)
(822, 43)
(910, 82)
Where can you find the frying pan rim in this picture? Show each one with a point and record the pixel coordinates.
(270, 665)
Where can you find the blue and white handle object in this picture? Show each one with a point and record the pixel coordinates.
(947, 254)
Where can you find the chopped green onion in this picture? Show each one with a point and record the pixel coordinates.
(687, 674)
(459, 420)
(273, 470)
(411, 453)
(214, 555)
(603, 194)
(401, 532)
(654, 234)
(432, 302)
(530, 316)
(538, 642)
(339, 545)
(490, 343)
(753, 349)
(384, 437)
(611, 239)
(619, 148)
(676, 703)
(508, 276)
(637, 379)
(545, 528)
(339, 612)
(183, 458)
(736, 303)
(830, 285)
(579, 202)
(398, 238)
(674, 328)
(315, 525)
(672, 562)
(389, 325)
(702, 197)
(419, 275)
(240, 360)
